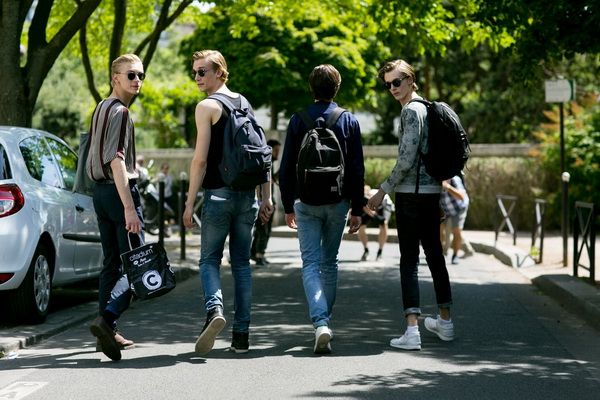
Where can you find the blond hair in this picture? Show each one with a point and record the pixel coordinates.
(405, 68)
(216, 59)
(123, 59)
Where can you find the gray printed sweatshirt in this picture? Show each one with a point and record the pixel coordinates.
(403, 179)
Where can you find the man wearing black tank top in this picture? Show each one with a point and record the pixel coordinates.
(226, 211)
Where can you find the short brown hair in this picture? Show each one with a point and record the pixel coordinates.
(402, 66)
(124, 59)
(216, 59)
(324, 81)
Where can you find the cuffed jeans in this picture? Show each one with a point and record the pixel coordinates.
(228, 212)
(320, 230)
(114, 293)
(418, 220)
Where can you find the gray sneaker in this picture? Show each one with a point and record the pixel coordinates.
(445, 331)
(407, 342)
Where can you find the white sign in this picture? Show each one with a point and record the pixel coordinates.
(560, 91)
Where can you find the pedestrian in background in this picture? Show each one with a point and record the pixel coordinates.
(111, 163)
(226, 212)
(262, 230)
(379, 218)
(417, 213)
(455, 203)
(320, 227)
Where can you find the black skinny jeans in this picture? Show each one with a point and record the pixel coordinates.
(418, 221)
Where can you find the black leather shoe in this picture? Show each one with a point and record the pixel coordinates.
(239, 342)
(215, 322)
(106, 336)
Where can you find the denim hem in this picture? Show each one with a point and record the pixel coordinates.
(445, 305)
(412, 310)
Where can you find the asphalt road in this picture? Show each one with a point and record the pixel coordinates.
(512, 342)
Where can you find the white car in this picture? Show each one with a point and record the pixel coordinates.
(48, 233)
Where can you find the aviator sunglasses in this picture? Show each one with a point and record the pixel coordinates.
(131, 75)
(396, 83)
(201, 72)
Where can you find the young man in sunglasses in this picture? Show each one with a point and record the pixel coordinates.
(226, 211)
(111, 164)
(417, 213)
(321, 225)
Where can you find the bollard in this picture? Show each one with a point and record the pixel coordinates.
(182, 197)
(161, 210)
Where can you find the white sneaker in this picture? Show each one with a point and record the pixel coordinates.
(444, 330)
(407, 342)
(322, 339)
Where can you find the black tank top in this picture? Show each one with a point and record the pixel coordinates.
(213, 179)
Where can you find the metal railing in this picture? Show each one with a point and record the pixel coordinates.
(584, 227)
(506, 204)
(537, 252)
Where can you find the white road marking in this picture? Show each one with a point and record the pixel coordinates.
(19, 390)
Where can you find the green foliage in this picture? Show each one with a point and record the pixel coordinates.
(377, 170)
(582, 157)
(271, 47)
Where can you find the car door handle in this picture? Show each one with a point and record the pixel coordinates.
(79, 208)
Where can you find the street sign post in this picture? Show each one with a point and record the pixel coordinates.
(559, 91)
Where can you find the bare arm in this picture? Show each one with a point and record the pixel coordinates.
(207, 113)
(266, 206)
(133, 223)
(454, 192)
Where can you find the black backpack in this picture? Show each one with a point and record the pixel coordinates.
(246, 156)
(448, 144)
(320, 168)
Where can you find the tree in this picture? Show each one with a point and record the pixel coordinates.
(271, 47)
(20, 82)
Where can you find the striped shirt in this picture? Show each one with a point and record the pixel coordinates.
(449, 204)
(112, 136)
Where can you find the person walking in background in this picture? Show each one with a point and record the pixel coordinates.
(111, 163)
(226, 211)
(455, 203)
(381, 217)
(417, 211)
(321, 224)
(262, 231)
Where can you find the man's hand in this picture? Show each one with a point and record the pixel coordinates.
(376, 200)
(265, 211)
(355, 222)
(290, 220)
(133, 224)
(188, 216)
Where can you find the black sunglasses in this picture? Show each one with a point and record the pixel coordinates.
(396, 83)
(201, 72)
(131, 75)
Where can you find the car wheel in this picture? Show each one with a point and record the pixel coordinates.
(31, 300)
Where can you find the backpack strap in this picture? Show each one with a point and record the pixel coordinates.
(226, 101)
(334, 116)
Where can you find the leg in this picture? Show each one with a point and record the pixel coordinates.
(310, 227)
(333, 229)
(408, 240)
(239, 249)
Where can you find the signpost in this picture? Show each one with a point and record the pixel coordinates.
(559, 91)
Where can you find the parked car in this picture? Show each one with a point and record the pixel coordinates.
(48, 234)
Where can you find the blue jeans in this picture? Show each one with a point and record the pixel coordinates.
(320, 230)
(114, 294)
(228, 212)
(418, 221)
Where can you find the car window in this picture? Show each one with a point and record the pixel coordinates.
(5, 172)
(66, 160)
(39, 161)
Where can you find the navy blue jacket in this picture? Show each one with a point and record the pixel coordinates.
(347, 131)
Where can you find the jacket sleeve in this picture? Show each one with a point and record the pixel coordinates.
(355, 168)
(287, 167)
(408, 149)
